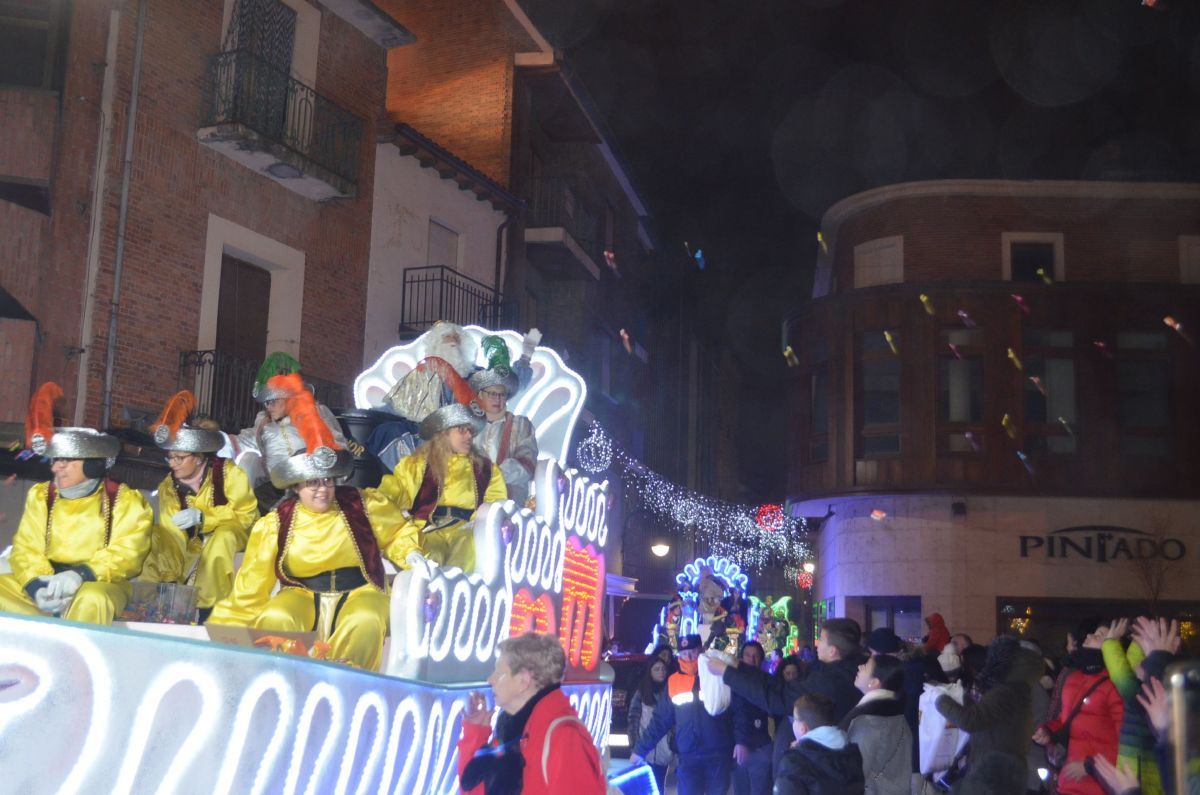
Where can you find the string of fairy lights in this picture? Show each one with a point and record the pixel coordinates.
(754, 537)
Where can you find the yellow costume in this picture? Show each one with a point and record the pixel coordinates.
(319, 543)
(175, 553)
(447, 536)
(74, 537)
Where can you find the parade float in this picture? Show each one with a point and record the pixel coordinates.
(140, 707)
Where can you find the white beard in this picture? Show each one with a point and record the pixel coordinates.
(453, 354)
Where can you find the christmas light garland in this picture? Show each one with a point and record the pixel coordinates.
(754, 537)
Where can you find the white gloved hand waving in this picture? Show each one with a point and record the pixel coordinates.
(187, 518)
(530, 342)
(64, 584)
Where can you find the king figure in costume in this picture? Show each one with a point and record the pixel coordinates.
(443, 483)
(506, 438)
(323, 545)
(83, 534)
(205, 508)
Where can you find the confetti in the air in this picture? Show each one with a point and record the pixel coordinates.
(965, 318)
(1038, 383)
(789, 356)
(1102, 346)
(925, 302)
(1009, 427)
(970, 437)
(1021, 302)
(626, 341)
(891, 341)
(1025, 461)
(821, 243)
(1066, 426)
(1016, 360)
(15, 446)
(1178, 328)
(1045, 276)
(878, 515)
(954, 349)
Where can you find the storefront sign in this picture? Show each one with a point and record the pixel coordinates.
(1102, 544)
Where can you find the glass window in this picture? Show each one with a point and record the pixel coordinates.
(1142, 387)
(1056, 396)
(881, 444)
(818, 422)
(1028, 258)
(960, 388)
(962, 337)
(877, 342)
(30, 38)
(1048, 338)
(881, 392)
(960, 442)
(1141, 341)
(878, 395)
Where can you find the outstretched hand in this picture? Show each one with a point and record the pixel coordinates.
(477, 711)
(1117, 780)
(1117, 629)
(1156, 635)
(1153, 699)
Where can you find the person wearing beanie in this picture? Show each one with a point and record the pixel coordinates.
(443, 483)
(323, 545)
(205, 508)
(82, 535)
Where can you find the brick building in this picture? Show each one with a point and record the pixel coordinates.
(992, 408)
(230, 219)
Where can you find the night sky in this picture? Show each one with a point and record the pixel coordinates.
(743, 122)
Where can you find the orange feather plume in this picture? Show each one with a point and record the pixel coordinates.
(40, 419)
(302, 408)
(178, 408)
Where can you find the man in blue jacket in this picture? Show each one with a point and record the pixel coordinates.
(704, 741)
(831, 675)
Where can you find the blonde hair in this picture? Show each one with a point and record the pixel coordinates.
(541, 655)
(437, 453)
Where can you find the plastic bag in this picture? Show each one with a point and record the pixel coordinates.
(714, 693)
(940, 740)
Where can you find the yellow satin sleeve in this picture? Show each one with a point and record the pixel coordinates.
(77, 535)
(395, 534)
(402, 485)
(255, 579)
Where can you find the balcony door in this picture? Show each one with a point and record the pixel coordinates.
(242, 310)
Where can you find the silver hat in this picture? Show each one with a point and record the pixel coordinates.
(451, 416)
(495, 376)
(78, 443)
(188, 440)
(324, 462)
(267, 392)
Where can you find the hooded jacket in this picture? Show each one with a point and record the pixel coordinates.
(1002, 720)
(939, 634)
(824, 762)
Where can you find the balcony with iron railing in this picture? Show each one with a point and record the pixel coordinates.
(224, 385)
(562, 234)
(437, 292)
(260, 116)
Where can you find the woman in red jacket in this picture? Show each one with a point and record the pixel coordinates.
(1097, 724)
(519, 756)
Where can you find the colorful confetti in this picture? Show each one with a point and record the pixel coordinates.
(1021, 303)
(25, 455)
(789, 356)
(821, 243)
(627, 341)
(1178, 328)
(1045, 276)
(1102, 346)
(878, 515)
(970, 437)
(965, 318)
(1066, 426)
(1025, 461)
(15, 446)
(925, 302)
(891, 341)
(1012, 357)
(1009, 427)
(610, 259)
(954, 349)
(1038, 383)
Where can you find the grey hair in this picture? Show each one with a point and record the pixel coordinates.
(541, 655)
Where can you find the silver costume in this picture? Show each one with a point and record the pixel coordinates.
(518, 458)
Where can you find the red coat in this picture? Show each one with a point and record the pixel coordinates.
(1095, 729)
(572, 762)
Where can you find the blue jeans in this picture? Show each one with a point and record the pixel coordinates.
(704, 775)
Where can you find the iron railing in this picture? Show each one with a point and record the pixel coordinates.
(556, 203)
(246, 89)
(435, 292)
(224, 385)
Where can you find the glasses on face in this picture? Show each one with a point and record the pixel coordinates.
(54, 461)
(176, 458)
(319, 483)
(492, 395)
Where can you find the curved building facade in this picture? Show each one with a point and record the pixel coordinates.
(995, 402)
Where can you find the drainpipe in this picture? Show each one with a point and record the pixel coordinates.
(99, 188)
(126, 174)
(501, 235)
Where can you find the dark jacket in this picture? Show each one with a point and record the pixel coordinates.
(883, 738)
(696, 732)
(815, 769)
(749, 724)
(834, 680)
(1002, 721)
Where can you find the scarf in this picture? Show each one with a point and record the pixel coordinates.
(82, 489)
(1090, 661)
(499, 765)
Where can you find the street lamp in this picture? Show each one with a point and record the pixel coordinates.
(660, 548)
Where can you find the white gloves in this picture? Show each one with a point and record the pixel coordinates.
(44, 601)
(530, 342)
(188, 517)
(64, 584)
